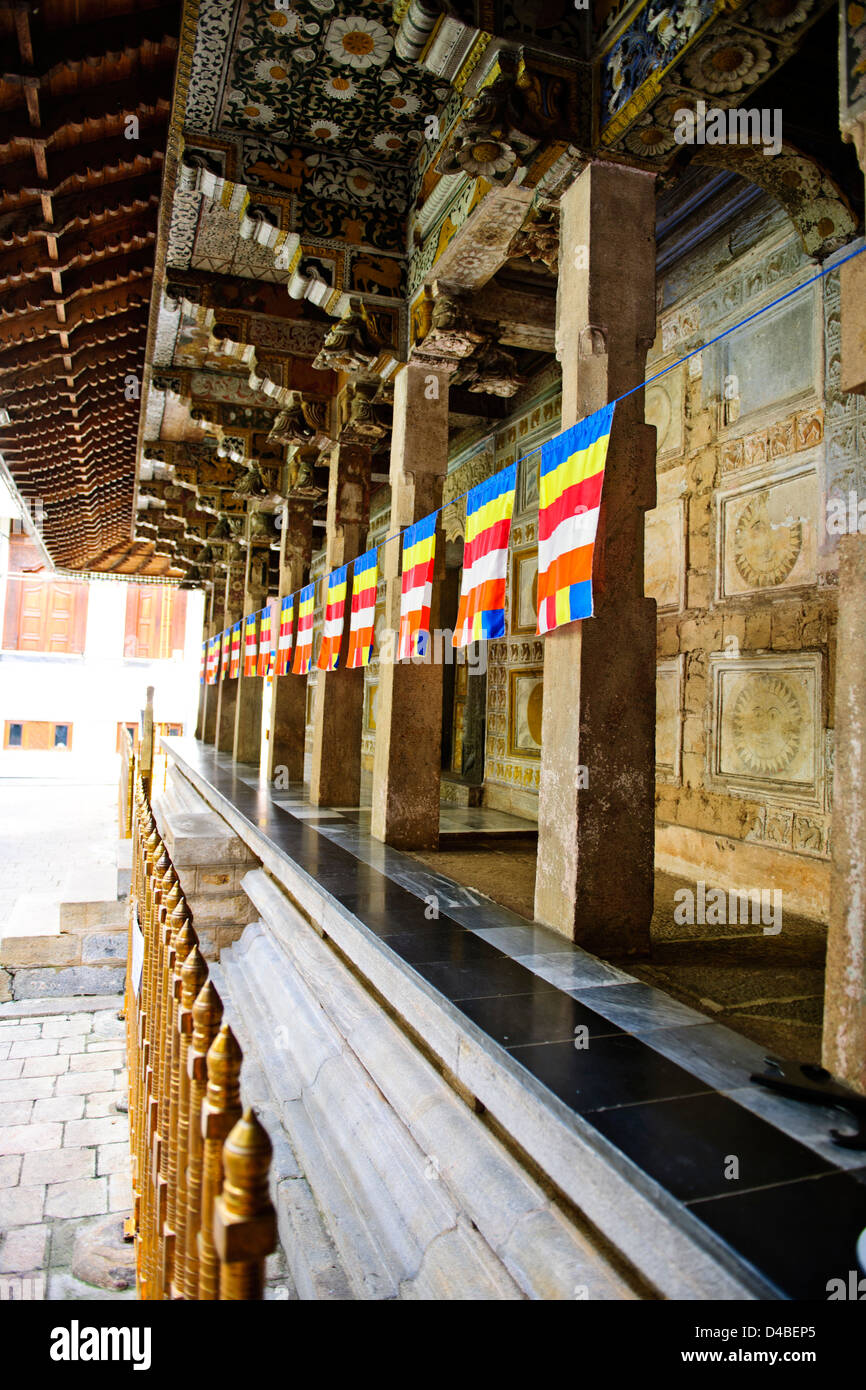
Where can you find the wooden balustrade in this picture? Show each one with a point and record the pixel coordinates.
(202, 1219)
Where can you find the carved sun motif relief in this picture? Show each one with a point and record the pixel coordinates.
(765, 551)
(767, 722)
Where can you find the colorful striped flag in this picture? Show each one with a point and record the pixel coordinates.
(213, 657)
(335, 609)
(570, 479)
(202, 670)
(416, 596)
(284, 644)
(485, 558)
(224, 663)
(250, 649)
(365, 577)
(304, 644)
(235, 661)
(265, 642)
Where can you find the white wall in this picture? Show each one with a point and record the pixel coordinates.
(96, 691)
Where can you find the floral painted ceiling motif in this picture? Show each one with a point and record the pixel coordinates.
(325, 74)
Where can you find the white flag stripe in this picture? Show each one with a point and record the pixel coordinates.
(571, 533)
(363, 617)
(486, 567)
(415, 599)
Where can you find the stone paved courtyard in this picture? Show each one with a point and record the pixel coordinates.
(64, 1150)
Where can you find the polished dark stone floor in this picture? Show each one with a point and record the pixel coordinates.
(586, 1033)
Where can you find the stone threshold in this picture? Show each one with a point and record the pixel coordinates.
(638, 1141)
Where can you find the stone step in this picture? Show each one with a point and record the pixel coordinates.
(418, 1197)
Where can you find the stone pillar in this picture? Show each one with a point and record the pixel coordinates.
(289, 693)
(338, 709)
(248, 710)
(228, 701)
(211, 691)
(844, 1040)
(594, 880)
(406, 762)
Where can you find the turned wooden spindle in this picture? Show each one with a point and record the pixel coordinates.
(207, 1014)
(220, 1112)
(245, 1223)
(192, 977)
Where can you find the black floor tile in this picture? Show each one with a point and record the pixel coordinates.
(800, 1235)
(688, 1145)
(545, 1015)
(612, 1070)
(440, 942)
(386, 908)
(477, 979)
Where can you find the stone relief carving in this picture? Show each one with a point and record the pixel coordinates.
(767, 535)
(766, 733)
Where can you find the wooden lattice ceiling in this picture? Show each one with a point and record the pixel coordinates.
(85, 95)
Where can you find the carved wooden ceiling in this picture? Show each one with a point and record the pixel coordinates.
(85, 95)
(341, 183)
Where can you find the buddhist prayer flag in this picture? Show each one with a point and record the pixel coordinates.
(202, 669)
(485, 558)
(571, 475)
(304, 643)
(416, 596)
(364, 580)
(250, 650)
(265, 642)
(224, 662)
(335, 609)
(213, 657)
(235, 660)
(284, 644)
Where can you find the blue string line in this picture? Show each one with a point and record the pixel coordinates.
(641, 386)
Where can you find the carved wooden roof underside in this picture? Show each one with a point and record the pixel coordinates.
(343, 183)
(85, 96)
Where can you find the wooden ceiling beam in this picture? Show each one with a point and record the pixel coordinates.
(111, 37)
(131, 96)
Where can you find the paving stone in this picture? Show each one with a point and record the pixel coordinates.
(10, 1070)
(112, 1158)
(85, 1082)
(24, 1009)
(10, 1168)
(4, 1050)
(58, 1108)
(95, 1044)
(58, 1166)
(22, 1139)
(70, 1046)
(21, 1206)
(106, 1024)
(34, 1047)
(27, 1088)
(11, 1028)
(45, 1066)
(119, 1192)
(84, 1197)
(109, 1130)
(16, 1112)
(65, 1026)
(97, 1107)
(98, 1061)
(23, 1249)
(63, 1288)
